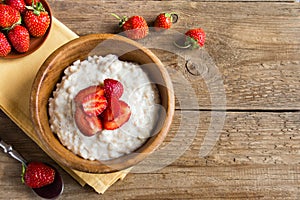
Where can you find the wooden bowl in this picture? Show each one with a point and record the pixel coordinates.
(35, 42)
(51, 72)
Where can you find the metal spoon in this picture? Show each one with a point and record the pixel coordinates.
(51, 191)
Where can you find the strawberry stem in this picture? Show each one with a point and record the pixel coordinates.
(17, 23)
(121, 20)
(23, 173)
(37, 8)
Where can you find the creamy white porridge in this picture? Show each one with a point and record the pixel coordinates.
(139, 94)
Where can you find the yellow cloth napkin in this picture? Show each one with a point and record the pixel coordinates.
(16, 78)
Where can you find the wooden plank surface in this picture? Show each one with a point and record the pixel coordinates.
(241, 105)
(257, 155)
(254, 47)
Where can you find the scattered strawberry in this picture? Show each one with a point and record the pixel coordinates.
(94, 105)
(19, 38)
(17, 4)
(38, 174)
(121, 119)
(5, 47)
(164, 21)
(113, 88)
(88, 125)
(134, 27)
(29, 2)
(8, 16)
(194, 38)
(36, 20)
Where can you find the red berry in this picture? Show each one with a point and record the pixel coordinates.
(88, 125)
(37, 20)
(17, 4)
(94, 105)
(195, 37)
(121, 119)
(113, 88)
(38, 174)
(8, 16)
(112, 111)
(19, 38)
(5, 47)
(134, 27)
(163, 21)
(94, 89)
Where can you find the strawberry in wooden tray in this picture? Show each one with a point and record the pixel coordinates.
(17, 4)
(5, 47)
(19, 38)
(36, 19)
(8, 16)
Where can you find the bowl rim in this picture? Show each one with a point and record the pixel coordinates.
(97, 166)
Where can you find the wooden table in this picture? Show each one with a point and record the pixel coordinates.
(243, 110)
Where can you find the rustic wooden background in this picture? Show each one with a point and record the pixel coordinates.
(255, 46)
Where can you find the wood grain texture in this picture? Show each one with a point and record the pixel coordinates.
(255, 48)
(257, 155)
(253, 136)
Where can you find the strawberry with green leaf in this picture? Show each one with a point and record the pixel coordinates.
(134, 27)
(164, 21)
(194, 38)
(37, 20)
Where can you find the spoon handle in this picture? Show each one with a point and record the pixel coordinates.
(13, 153)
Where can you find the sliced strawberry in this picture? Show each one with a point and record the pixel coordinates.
(88, 125)
(121, 119)
(113, 88)
(112, 111)
(94, 104)
(95, 89)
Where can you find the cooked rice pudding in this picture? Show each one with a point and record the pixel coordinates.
(139, 93)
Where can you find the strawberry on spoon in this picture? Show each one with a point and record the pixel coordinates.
(50, 187)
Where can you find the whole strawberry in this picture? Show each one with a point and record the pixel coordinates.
(195, 38)
(19, 38)
(38, 174)
(37, 20)
(164, 21)
(134, 27)
(5, 47)
(17, 4)
(8, 16)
